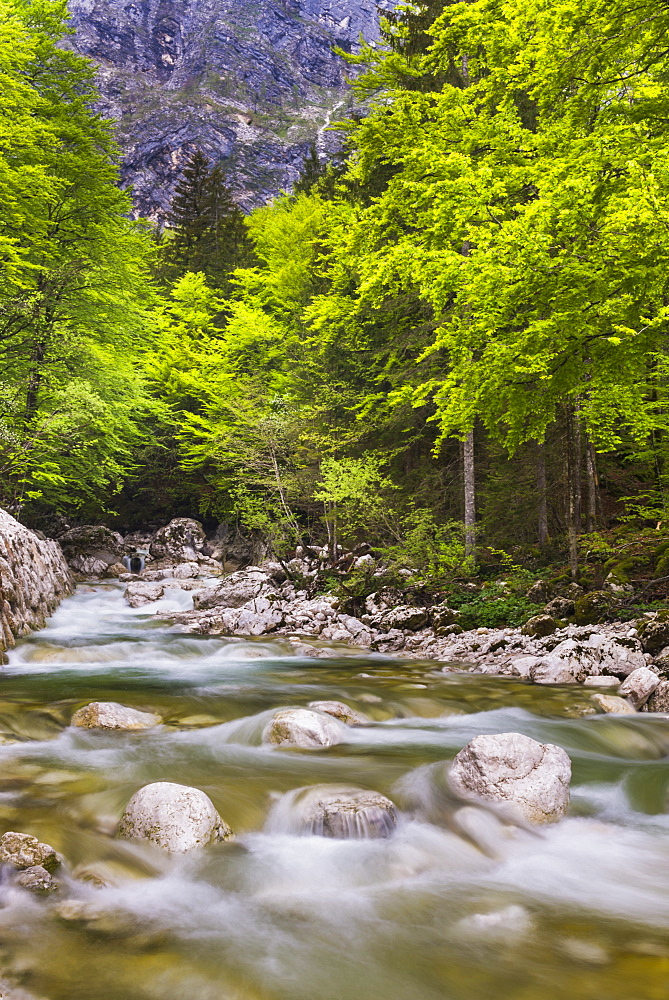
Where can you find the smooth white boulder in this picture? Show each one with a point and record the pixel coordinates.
(639, 686)
(532, 778)
(111, 715)
(300, 727)
(177, 818)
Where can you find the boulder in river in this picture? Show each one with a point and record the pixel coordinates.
(24, 851)
(639, 686)
(177, 818)
(111, 715)
(338, 710)
(533, 778)
(142, 592)
(300, 727)
(338, 811)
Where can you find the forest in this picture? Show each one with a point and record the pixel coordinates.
(450, 344)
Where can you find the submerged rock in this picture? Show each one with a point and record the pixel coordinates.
(300, 727)
(111, 715)
(37, 879)
(338, 710)
(24, 851)
(338, 811)
(511, 768)
(177, 818)
(612, 704)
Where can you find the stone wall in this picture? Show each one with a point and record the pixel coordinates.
(34, 578)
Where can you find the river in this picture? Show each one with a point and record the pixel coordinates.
(577, 910)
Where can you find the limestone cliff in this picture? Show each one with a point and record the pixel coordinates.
(251, 83)
(34, 578)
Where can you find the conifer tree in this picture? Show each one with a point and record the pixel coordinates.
(208, 229)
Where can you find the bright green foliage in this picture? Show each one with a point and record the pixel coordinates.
(73, 276)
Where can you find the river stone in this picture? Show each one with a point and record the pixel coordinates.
(639, 685)
(340, 711)
(300, 727)
(603, 681)
(177, 818)
(111, 715)
(613, 705)
(37, 879)
(509, 767)
(24, 851)
(345, 813)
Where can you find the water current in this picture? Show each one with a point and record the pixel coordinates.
(447, 908)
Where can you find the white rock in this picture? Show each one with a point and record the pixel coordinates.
(639, 685)
(177, 818)
(603, 681)
(111, 715)
(300, 727)
(142, 592)
(511, 768)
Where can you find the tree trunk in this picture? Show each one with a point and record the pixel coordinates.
(542, 511)
(34, 381)
(573, 485)
(591, 484)
(470, 495)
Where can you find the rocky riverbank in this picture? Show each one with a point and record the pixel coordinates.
(625, 663)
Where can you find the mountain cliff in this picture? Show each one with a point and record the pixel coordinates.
(253, 84)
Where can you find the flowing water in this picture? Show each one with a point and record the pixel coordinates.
(453, 906)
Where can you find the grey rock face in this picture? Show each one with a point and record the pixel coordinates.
(91, 548)
(34, 578)
(111, 715)
(175, 817)
(181, 540)
(533, 778)
(22, 851)
(250, 82)
(300, 727)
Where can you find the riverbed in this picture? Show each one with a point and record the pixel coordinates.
(444, 909)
